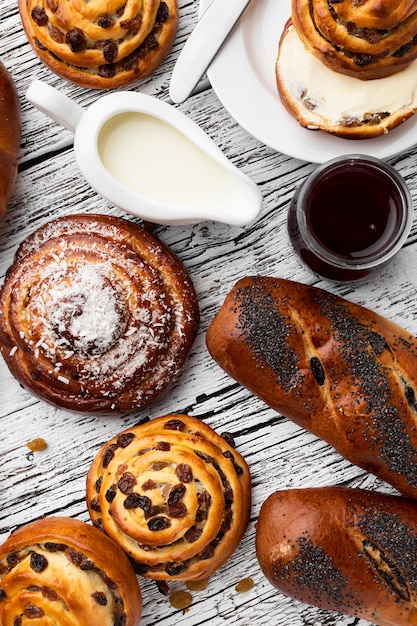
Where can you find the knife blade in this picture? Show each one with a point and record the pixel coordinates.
(201, 47)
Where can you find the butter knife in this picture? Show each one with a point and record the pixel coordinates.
(201, 47)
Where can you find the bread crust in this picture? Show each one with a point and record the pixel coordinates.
(100, 46)
(10, 133)
(335, 368)
(310, 110)
(174, 495)
(347, 550)
(58, 564)
(113, 310)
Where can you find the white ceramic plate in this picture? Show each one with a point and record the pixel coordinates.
(243, 77)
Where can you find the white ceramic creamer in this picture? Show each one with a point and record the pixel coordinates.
(149, 159)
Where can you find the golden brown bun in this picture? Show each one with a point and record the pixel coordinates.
(368, 39)
(100, 45)
(10, 131)
(173, 494)
(342, 549)
(62, 571)
(97, 314)
(322, 99)
(337, 369)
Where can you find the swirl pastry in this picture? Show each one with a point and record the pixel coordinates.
(59, 570)
(173, 494)
(98, 43)
(368, 39)
(96, 314)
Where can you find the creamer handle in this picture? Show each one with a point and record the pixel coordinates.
(55, 104)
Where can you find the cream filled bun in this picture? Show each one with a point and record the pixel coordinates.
(320, 98)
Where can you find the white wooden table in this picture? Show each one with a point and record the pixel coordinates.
(280, 454)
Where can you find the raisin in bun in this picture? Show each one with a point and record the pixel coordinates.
(63, 571)
(320, 98)
(337, 369)
(347, 550)
(369, 39)
(97, 315)
(10, 131)
(100, 44)
(173, 494)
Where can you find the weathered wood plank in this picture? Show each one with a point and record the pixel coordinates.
(279, 453)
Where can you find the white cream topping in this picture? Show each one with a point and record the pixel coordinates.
(335, 96)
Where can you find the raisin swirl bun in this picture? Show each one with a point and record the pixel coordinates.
(100, 44)
(368, 39)
(96, 314)
(173, 494)
(346, 550)
(63, 571)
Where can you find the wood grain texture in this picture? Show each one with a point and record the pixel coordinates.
(52, 482)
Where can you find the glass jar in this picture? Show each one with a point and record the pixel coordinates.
(350, 217)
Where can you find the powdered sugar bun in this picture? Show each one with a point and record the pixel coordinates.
(96, 314)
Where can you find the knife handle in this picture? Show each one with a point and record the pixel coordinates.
(206, 39)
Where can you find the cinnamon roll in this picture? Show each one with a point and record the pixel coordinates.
(100, 44)
(63, 571)
(368, 39)
(173, 494)
(96, 314)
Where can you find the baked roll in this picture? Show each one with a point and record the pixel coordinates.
(10, 132)
(96, 314)
(337, 369)
(100, 44)
(59, 570)
(173, 494)
(368, 39)
(320, 98)
(347, 550)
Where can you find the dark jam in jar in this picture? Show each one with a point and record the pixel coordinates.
(349, 217)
